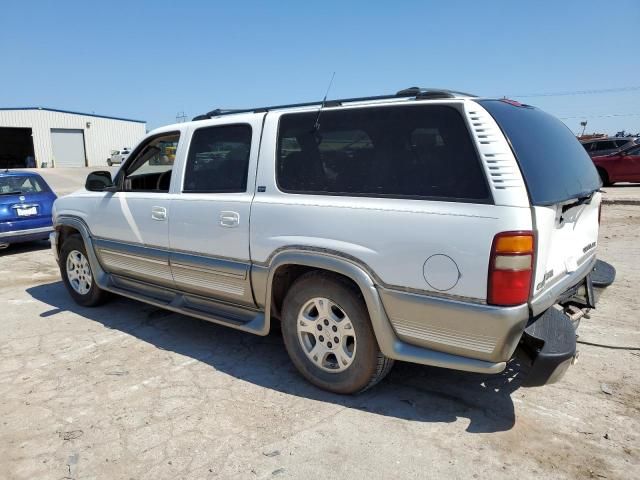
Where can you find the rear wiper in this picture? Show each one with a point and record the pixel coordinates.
(11, 193)
(578, 202)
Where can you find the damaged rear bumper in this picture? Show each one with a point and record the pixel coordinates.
(548, 343)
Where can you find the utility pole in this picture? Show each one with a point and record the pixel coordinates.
(181, 117)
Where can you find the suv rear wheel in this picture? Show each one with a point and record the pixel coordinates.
(77, 275)
(328, 335)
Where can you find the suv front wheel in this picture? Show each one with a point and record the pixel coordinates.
(77, 275)
(328, 334)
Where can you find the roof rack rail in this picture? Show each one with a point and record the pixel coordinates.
(418, 93)
(432, 93)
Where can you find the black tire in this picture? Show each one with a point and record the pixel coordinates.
(604, 176)
(368, 366)
(95, 295)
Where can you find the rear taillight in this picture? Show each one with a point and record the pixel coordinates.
(511, 268)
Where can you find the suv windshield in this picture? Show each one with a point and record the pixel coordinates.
(554, 164)
(15, 185)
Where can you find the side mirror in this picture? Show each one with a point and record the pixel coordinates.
(622, 154)
(100, 181)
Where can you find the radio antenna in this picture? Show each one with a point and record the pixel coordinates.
(316, 125)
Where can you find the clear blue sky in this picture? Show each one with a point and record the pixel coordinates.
(150, 60)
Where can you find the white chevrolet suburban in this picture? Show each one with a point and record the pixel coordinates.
(428, 226)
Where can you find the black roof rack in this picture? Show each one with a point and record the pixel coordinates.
(432, 93)
(416, 92)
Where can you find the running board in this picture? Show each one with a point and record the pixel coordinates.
(240, 318)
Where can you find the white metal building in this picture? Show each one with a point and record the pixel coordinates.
(46, 137)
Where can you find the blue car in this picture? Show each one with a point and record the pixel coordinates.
(25, 207)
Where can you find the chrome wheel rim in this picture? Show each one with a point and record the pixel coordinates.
(79, 272)
(326, 335)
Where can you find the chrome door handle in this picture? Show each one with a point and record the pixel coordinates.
(159, 213)
(229, 219)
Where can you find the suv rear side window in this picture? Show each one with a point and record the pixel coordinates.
(400, 152)
(218, 160)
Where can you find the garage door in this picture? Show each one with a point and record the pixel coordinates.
(68, 147)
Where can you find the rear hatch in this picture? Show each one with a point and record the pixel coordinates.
(563, 185)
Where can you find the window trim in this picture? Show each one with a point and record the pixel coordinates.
(489, 200)
(122, 172)
(186, 160)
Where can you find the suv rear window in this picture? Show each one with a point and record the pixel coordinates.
(554, 164)
(400, 152)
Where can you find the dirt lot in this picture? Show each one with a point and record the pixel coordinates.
(133, 392)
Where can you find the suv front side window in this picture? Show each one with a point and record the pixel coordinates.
(150, 169)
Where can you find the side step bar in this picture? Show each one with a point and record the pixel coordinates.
(240, 318)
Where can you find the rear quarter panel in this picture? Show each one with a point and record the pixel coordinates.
(393, 238)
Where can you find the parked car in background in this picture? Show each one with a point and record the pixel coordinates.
(25, 207)
(604, 146)
(118, 156)
(621, 166)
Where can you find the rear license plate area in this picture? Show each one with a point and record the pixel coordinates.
(26, 211)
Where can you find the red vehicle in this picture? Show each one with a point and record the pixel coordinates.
(622, 166)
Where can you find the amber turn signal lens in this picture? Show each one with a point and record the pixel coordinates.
(514, 244)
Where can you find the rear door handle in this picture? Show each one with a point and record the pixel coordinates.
(229, 219)
(159, 213)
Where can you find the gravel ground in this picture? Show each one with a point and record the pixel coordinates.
(133, 392)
